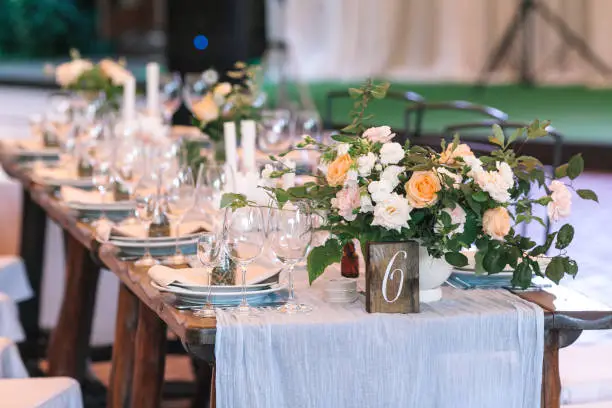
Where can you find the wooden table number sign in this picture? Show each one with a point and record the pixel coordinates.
(392, 277)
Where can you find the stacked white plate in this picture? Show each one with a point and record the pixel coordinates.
(341, 291)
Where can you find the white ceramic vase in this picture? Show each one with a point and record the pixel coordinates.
(433, 272)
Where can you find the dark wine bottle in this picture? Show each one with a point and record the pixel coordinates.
(349, 265)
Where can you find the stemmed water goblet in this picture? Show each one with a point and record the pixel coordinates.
(275, 131)
(145, 196)
(170, 95)
(180, 198)
(214, 179)
(309, 123)
(289, 236)
(243, 238)
(195, 88)
(209, 253)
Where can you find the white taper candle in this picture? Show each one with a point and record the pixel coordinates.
(229, 136)
(247, 142)
(129, 99)
(153, 88)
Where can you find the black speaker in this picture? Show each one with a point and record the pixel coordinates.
(235, 30)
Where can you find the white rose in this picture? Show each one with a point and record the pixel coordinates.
(458, 217)
(365, 164)
(380, 190)
(378, 167)
(267, 171)
(116, 72)
(391, 153)
(391, 174)
(222, 89)
(456, 177)
(380, 134)
(210, 76)
(561, 204)
(67, 73)
(497, 183)
(475, 166)
(366, 204)
(351, 178)
(393, 213)
(206, 109)
(342, 148)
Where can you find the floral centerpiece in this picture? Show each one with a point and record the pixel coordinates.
(93, 81)
(373, 189)
(224, 102)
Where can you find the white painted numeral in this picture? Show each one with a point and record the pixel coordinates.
(390, 275)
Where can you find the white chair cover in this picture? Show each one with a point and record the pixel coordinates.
(14, 278)
(585, 376)
(11, 365)
(56, 392)
(10, 326)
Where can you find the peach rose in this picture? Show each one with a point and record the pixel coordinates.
(116, 72)
(496, 223)
(422, 189)
(206, 109)
(337, 170)
(449, 155)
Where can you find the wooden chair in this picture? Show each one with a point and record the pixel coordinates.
(328, 122)
(419, 111)
(476, 135)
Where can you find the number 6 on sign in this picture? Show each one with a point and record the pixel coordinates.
(392, 277)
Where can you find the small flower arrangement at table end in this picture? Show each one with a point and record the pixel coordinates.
(89, 79)
(373, 189)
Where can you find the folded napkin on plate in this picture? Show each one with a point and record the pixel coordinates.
(103, 229)
(55, 172)
(78, 195)
(164, 276)
(137, 230)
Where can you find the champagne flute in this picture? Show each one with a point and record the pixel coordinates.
(243, 238)
(209, 254)
(180, 198)
(309, 123)
(101, 180)
(275, 131)
(214, 179)
(194, 89)
(146, 197)
(289, 237)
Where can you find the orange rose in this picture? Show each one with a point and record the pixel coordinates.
(449, 155)
(422, 189)
(496, 223)
(336, 172)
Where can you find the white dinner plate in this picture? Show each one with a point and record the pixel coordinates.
(115, 206)
(231, 294)
(220, 288)
(157, 242)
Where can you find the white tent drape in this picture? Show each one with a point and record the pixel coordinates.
(432, 40)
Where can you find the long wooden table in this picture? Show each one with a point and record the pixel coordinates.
(143, 315)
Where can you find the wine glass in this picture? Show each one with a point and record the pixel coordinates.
(275, 131)
(214, 179)
(194, 89)
(180, 198)
(170, 95)
(102, 159)
(243, 238)
(289, 237)
(58, 117)
(145, 195)
(209, 253)
(309, 123)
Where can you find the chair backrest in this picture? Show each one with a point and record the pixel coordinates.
(414, 126)
(328, 121)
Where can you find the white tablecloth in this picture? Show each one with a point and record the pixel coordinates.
(11, 365)
(468, 350)
(14, 279)
(55, 392)
(10, 327)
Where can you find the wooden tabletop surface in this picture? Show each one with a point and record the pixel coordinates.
(565, 308)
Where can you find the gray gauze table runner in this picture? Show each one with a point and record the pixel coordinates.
(478, 348)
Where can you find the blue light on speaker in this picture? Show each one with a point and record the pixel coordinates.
(200, 42)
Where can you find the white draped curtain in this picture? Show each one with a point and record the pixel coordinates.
(432, 40)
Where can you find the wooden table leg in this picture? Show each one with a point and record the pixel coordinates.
(213, 389)
(120, 387)
(69, 345)
(149, 359)
(551, 381)
(32, 248)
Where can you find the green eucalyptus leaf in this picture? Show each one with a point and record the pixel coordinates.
(456, 259)
(494, 261)
(479, 267)
(233, 200)
(515, 135)
(561, 171)
(571, 267)
(521, 277)
(322, 256)
(282, 197)
(542, 249)
(564, 236)
(480, 197)
(355, 92)
(587, 195)
(555, 269)
(575, 166)
(498, 135)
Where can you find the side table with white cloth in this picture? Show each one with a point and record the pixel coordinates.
(56, 392)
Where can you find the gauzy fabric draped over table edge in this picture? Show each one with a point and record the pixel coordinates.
(435, 40)
(482, 348)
